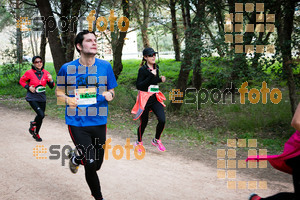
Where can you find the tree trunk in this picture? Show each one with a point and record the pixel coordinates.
(183, 15)
(76, 5)
(65, 16)
(231, 6)
(285, 30)
(187, 56)
(144, 26)
(97, 14)
(231, 10)
(43, 45)
(118, 46)
(219, 16)
(187, 13)
(197, 73)
(57, 51)
(197, 33)
(145, 36)
(221, 48)
(19, 36)
(70, 11)
(117, 56)
(183, 75)
(31, 44)
(174, 30)
(35, 36)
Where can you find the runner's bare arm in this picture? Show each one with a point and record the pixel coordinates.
(109, 95)
(63, 98)
(296, 119)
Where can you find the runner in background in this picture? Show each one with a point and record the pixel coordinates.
(288, 161)
(35, 81)
(149, 99)
(90, 84)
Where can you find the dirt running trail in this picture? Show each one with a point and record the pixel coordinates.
(157, 176)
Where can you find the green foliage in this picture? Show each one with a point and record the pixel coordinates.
(129, 73)
(126, 98)
(258, 117)
(12, 89)
(6, 18)
(11, 73)
(274, 145)
(216, 72)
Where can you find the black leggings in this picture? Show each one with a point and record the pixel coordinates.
(89, 141)
(158, 110)
(294, 163)
(39, 108)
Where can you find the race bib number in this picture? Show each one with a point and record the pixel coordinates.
(153, 88)
(40, 89)
(85, 96)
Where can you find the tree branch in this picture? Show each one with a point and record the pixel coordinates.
(30, 4)
(107, 37)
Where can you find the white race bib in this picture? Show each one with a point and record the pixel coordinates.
(40, 89)
(153, 88)
(86, 96)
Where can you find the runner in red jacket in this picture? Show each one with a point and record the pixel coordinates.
(35, 80)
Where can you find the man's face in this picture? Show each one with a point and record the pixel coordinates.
(89, 44)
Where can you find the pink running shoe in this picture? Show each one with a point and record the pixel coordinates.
(158, 144)
(139, 146)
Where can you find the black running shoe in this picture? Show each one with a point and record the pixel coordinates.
(254, 196)
(73, 167)
(37, 137)
(32, 128)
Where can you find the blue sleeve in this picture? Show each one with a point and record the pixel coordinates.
(61, 78)
(111, 79)
(100, 98)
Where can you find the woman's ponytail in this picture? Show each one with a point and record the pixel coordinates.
(143, 62)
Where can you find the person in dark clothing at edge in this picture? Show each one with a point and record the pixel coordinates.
(149, 99)
(35, 80)
(288, 161)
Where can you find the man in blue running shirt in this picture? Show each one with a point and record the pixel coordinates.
(86, 85)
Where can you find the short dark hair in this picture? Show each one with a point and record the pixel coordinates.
(79, 37)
